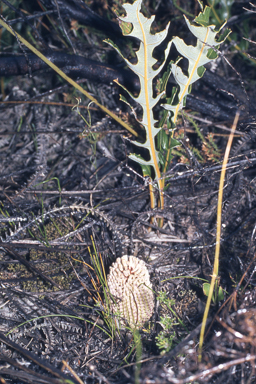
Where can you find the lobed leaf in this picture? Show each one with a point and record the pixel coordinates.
(141, 27)
(202, 53)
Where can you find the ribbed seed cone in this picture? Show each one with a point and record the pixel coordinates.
(131, 291)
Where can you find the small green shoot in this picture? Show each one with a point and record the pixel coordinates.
(218, 294)
(164, 299)
(165, 338)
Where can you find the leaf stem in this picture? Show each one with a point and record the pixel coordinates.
(149, 125)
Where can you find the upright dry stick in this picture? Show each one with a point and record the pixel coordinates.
(218, 233)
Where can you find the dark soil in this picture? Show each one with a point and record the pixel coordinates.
(70, 194)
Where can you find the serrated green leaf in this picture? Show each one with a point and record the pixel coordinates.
(141, 27)
(157, 142)
(202, 53)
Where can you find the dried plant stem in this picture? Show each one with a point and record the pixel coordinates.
(68, 79)
(65, 365)
(218, 234)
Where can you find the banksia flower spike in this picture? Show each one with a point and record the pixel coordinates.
(131, 292)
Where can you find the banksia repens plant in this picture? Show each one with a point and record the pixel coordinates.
(131, 292)
(158, 143)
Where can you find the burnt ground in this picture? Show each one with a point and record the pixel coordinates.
(70, 196)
